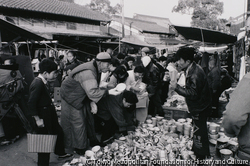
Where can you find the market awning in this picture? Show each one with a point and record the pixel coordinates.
(12, 33)
(205, 35)
(212, 49)
(147, 42)
(135, 41)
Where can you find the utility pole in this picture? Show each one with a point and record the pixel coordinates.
(248, 9)
(246, 16)
(123, 22)
(0, 41)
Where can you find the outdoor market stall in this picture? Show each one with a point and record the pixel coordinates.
(162, 140)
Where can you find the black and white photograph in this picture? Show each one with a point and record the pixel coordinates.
(124, 82)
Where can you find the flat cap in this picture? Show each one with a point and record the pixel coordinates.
(103, 57)
(145, 49)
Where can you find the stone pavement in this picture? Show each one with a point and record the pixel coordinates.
(16, 154)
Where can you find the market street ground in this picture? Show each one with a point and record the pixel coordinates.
(17, 154)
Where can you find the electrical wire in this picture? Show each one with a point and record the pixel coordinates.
(77, 50)
(66, 47)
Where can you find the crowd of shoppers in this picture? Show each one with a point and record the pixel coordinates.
(91, 103)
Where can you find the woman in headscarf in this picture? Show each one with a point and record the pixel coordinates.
(70, 64)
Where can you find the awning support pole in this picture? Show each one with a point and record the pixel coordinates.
(119, 44)
(16, 47)
(0, 41)
(28, 49)
(100, 47)
(123, 21)
(202, 38)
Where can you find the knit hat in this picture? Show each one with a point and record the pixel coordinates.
(145, 49)
(145, 60)
(103, 57)
(130, 97)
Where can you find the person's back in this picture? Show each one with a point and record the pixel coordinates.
(214, 83)
(153, 80)
(213, 76)
(226, 81)
(236, 120)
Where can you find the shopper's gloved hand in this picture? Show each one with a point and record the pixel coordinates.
(93, 107)
(39, 122)
(114, 92)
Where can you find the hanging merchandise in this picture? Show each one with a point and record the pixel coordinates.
(36, 54)
(242, 67)
(239, 52)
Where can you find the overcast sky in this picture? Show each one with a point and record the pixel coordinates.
(163, 8)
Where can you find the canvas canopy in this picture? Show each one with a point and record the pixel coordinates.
(205, 35)
(212, 49)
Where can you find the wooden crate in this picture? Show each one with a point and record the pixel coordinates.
(175, 113)
(168, 114)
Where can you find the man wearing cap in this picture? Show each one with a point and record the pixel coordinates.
(110, 51)
(153, 80)
(79, 93)
(144, 52)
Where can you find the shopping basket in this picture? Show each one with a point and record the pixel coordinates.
(38, 143)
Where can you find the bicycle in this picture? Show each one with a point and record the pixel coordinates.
(11, 105)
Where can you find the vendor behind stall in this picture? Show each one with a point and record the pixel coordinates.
(198, 98)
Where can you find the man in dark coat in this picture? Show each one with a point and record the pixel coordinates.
(214, 84)
(198, 98)
(162, 66)
(153, 80)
